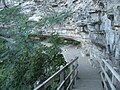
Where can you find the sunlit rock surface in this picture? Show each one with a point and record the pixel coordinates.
(98, 21)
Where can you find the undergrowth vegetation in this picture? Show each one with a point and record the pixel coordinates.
(25, 59)
(56, 40)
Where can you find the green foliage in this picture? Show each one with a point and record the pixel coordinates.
(56, 40)
(25, 60)
(2, 47)
(54, 85)
(57, 18)
(54, 19)
(72, 42)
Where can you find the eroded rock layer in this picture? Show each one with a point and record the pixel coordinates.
(98, 21)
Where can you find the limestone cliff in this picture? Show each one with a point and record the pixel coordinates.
(97, 20)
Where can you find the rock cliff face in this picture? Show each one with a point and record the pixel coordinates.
(98, 19)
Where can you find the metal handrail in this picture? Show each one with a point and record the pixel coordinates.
(51, 79)
(105, 66)
(117, 76)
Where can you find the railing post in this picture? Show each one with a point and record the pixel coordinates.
(102, 64)
(62, 77)
(106, 72)
(76, 71)
(71, 77)
(106, 69)
(114, 81)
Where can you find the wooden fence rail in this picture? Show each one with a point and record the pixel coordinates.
(71, 77)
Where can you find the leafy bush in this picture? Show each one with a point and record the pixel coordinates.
(25, 60)
(56, 40)
(54, 19)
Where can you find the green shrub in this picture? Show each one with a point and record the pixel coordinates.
(25, 59)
